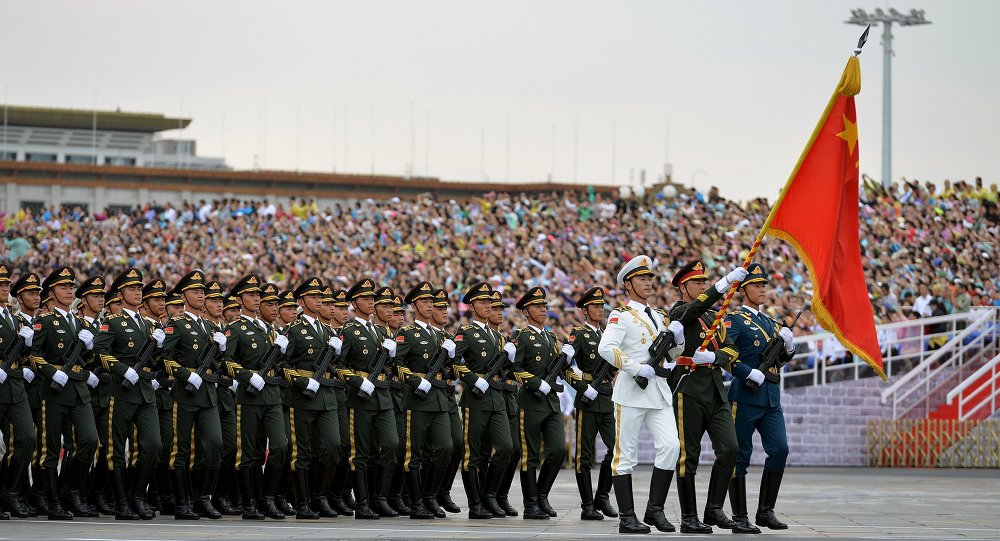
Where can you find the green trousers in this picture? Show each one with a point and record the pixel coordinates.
(315, 436)
(482, 432)
(76, 422)
(18, 417)
(427, 439)
(141, 424)
(694, 418)
(373, 438)
(260, 427)
(537, 428)
(200, 426)
(588, 425)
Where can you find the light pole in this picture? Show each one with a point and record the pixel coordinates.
(860, 17)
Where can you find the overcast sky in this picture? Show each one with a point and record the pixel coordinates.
(726, 91)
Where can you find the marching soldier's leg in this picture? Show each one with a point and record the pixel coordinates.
(387, 439)
(20, 446)
(746, 417)
(395, 495)
(273, 424)
(52, 421)
(531, 440)
(602, 499)
(327, 446)
(661, 424)
(249, 457)
(503, 493)
(499, 437)
(360, 424)
(342, 473)
(283, 471)
(628, 421)
(691, 416)
(772, 435)
(147, 425)
(554, 436)
(301, 460)
(99, 475)
(418, 425)
(165, 422)
(475, 455)
(120, 431)
(444, 499)
(208, 446)
(722, 432)
(586, 431)
(180, 455)
(85, 442)
(227, 465)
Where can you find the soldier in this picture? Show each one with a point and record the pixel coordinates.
(540, 417)
(625, 344)
(132, 405)
(484, 411)
(596, 415)
(388, 319)
(443, 501)
(502, 496)
(427, 426)
(113, 302)
(15, 414)
(66, 409)
(701, 396)
(288, 310)
(312, 407)
(760, 408)
(335, 306)
(259, 416)
(154, 303)
(196, 400)
(374, 442)
(174, 305)
(27, 291)
(219, 313)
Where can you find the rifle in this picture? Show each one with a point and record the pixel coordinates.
(327, 357)
(206, 361)
(70, 359)
(12, 354)
(376, 369)
(552, 372)
(436, 366)
(272, 360)
(495, 366)
(659, 352)
(602, 374)
(144, 358)
(772, 356)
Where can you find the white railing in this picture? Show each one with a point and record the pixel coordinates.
(978, 341)
(905, 345)
(974, 399)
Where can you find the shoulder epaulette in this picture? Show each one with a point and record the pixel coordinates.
(351, 323)
(580, 328)
(467, 327)
(296, 321)
(408, 327)
(46, 315)
(109, 317)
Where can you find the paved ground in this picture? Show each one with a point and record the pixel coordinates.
(818, 503)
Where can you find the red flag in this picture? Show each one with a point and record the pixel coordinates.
(818, 215)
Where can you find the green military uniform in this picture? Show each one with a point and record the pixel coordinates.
(132, 407)
(164, 409)
(65, 410)
(444, 500)
(259, 415)
(394, 496)
(314, 425)
(701, 404)
(33, 388)
(341, 480)
(227, 388)
(510, 389)
(540, 418)
(484, 408)
(15, 414)
(595, 416)
(188, 338)
(427, 425)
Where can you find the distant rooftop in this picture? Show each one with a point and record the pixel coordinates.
(83, 119)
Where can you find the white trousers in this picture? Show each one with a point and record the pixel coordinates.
(660, 423)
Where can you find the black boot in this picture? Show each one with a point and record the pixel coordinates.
(337, 490)
(546, 478)
(738, 502)
(769, 485)
(382, 482)
(165, 489)
(431, 483)
(488, 499)
(718, 485)
(529, 486)
(203, 503)
(283, 473)
(137, 492)
(38, 493)
(16, 472)
(503, 493)
(182, 495)
(122, 511)
(348, 493)
(602, 500)
(362, 510)
(659, 486)
(269, 481)
(222, 490)
(627, 521)
(55, 506)
(583, 484)
(320, 503)
(417, 508)
(444, 494)
(689, 507)
(303, 509)
(394, 498)
(248, 503)
(98, 482)
(470, 479)
(76, 477)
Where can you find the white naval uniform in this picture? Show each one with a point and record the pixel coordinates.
(625, 344)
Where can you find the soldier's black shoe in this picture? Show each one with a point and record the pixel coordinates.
(322, 506)
(689, 509)
(693, 525)
(103, 506)
(717, 517)
(418, 511)
(138, 503)
(16, 472)
(203, 506)
(224, 506)
(303, 511)
(348, 498)
(543, 504)
(587, 512)
(362, 511)
(770, 482)
(124, 512)
(269, 508)
(282, 503)
(338, 505)
(602, 503)
(249, 511)
(490, 504)
(718, 486)
(738, 501)
(448, 504)
(431, 504)
(529, 486)
(54, 508)
(476, 511)
(627, 521)
(397, 504)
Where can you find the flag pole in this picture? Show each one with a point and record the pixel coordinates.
(850, 85)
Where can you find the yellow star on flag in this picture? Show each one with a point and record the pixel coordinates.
(850, 134)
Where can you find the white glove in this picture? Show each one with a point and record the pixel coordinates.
(735, 275)
(28, 334)
(313, 385)
(511, 350)
(786, 334)
(87, 338)
(60, 377)
(194, 379)
(335, 342)
(93, 381)
(703, 356)
(545, 388)
(29, 376)
(756, 376)
(3, 376)
(677, 329)
(220, 339)
(590, 393)
(645, 371)
(424, 386)
(449, 346)
(159, 336)
(482, 385)
(257, 382)
(569, 351)
(234, 386)
(367, 386)
(131, 375)
(390, 346)
(155, 384)
(282, 342)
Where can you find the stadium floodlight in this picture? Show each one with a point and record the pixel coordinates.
(913, 18)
